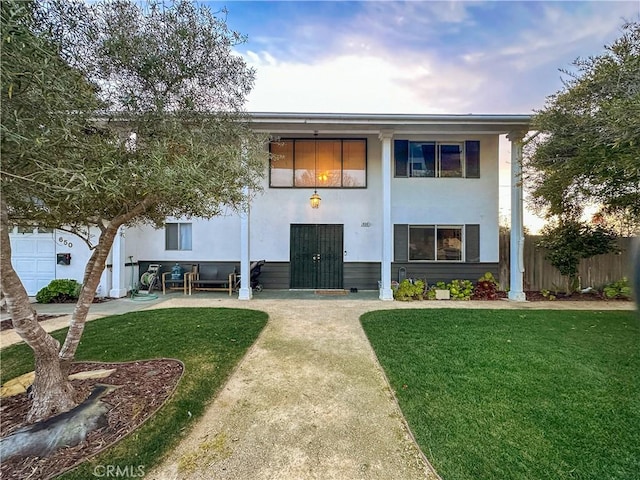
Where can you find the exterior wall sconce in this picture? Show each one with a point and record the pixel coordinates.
(315, 199)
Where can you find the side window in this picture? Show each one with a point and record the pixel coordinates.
(449, 245)
(178, 236)
(281, 164)
(422, 242)
(423, 159)
(354, 163)
(450, 160)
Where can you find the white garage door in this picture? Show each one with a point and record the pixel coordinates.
(34, 259)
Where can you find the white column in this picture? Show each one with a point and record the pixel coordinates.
(245, 292)
(387, 247)
(118, 280)
(516, 260)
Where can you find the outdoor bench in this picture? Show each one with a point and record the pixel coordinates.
(211, 279)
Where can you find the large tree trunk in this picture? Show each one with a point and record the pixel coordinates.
(52, 392)
(92, 275)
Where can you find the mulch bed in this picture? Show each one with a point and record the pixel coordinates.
(536, 296)
(146, 386)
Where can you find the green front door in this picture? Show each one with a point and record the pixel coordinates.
(316, 256)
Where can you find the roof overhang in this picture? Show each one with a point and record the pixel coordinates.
(356, 123)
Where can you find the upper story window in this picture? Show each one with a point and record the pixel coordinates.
(437, 159)
(318, 163)
(177, 236)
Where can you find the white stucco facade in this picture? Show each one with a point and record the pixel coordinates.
(367, 216)
(449, 201)
(35, 258)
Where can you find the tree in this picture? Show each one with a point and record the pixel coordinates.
(38, 89)
(171, 140)
(621, 223)
(570, 241)
(589, 148)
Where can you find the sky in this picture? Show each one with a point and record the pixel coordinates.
(426, 57)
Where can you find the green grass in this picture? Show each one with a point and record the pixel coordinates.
(209, 342)
(516, 394)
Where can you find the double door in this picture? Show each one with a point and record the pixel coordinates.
(316, 256)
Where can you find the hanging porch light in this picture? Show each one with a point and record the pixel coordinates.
(315, 199)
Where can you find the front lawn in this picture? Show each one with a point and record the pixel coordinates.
(209, 342)
(513, 394)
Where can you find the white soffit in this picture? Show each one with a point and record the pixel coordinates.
(397, 123)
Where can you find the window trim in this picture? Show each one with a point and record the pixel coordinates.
(318, 187)
(435, 226)
(178, 225)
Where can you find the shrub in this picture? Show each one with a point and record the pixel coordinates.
(619, 289)
(59, 291)
(486, 288)
(569, 241)
(410, 290)
(430, 294)
(460, 289)
(548, 295)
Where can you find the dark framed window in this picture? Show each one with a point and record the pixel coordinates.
(318, 163)
(178, 236)
(436, 243)
(437, 159)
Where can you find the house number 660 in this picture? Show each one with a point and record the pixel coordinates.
(65, 242)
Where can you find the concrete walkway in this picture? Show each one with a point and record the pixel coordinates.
(309, 400)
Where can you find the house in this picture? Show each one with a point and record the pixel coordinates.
(416, 194)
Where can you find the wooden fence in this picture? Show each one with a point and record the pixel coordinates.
(540, 274)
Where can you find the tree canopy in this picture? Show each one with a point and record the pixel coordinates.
(588, 151)
(115, 113)
(162, 71)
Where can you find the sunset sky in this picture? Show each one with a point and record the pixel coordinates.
(419, 56)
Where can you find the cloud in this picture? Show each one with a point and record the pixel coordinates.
(359, 83)
(561, 36)
(426, 19)
(428, 57)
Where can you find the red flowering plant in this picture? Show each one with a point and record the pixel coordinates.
(486, 288)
